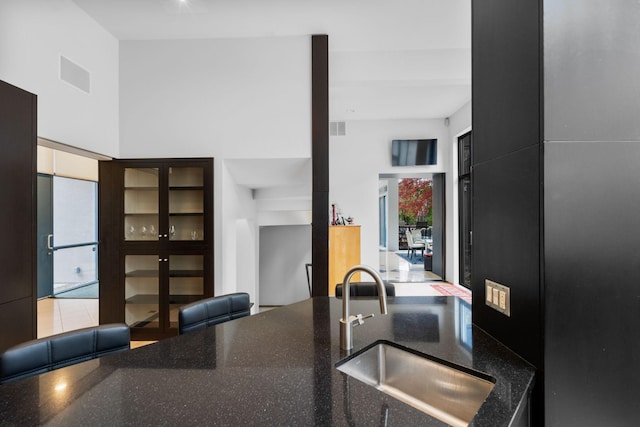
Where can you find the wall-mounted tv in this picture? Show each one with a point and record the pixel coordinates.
(414, 152)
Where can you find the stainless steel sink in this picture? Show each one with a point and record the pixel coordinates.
(449, 393)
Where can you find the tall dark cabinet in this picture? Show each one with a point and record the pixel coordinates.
(156, 241)
(556, 193)
(18, 133)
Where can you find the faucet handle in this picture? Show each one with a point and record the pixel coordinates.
(359, 319)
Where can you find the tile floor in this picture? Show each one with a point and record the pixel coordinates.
(56, 315)
(393, 267)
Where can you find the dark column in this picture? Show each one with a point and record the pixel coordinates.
(506, 173)
(320, 221)
(320, 159)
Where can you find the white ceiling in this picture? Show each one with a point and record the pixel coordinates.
(388, 59)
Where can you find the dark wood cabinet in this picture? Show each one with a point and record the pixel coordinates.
(18, 133)
(156, 241)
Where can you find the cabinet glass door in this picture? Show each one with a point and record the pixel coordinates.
(141, 203)
(142, 291)
(186, 283)
(186, 203)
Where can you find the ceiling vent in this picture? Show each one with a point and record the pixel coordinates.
(337, 129)
(75, 75)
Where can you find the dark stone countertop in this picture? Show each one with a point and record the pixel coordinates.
(275, 368)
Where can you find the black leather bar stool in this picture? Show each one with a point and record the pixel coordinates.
(46, 354)
(365, 289)
(211, 311)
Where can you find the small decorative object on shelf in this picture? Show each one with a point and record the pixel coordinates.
(337, 218)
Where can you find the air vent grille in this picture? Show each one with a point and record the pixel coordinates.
(75, 75)
(337, 128)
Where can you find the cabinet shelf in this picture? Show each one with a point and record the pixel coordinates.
(172, 273)
(141, 188)
(186, 188)
(143, 299)
(186, 273)
(153, 299)
(141, 213)
(142, 273)
(186, 213)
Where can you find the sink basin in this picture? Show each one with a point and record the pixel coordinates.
(450, 393)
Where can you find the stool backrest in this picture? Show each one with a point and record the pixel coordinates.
(365, 289)
(46, 354)
(212, 311)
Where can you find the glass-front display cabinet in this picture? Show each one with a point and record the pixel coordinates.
(156, 232)
(141, 203)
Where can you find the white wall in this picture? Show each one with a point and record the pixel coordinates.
(246, 260)
(235, 234)
(33, 35)
(357, 159)
(227, 99)
(284, 251)
(235, 98)
(460, 121)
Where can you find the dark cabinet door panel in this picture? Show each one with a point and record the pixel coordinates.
(506, 248)
(506, 77)
(18, 214)
(592, 276)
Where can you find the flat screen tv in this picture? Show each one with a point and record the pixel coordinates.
(414, 152)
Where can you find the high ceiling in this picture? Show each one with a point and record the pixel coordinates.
(389, 59)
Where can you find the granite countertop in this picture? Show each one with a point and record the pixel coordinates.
(273, 368)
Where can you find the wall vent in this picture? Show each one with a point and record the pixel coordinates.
(75, 75)
(337, 128)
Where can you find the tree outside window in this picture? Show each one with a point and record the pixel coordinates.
(415, 200)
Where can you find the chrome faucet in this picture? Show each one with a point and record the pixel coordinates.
(347, 323)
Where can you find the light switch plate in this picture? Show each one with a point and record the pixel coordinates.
(502, 303)
(498, 297)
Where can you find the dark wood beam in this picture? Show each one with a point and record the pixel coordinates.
(320, 163)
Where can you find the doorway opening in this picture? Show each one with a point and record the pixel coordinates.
(412, 226)
(67, 246)
(67, 225)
